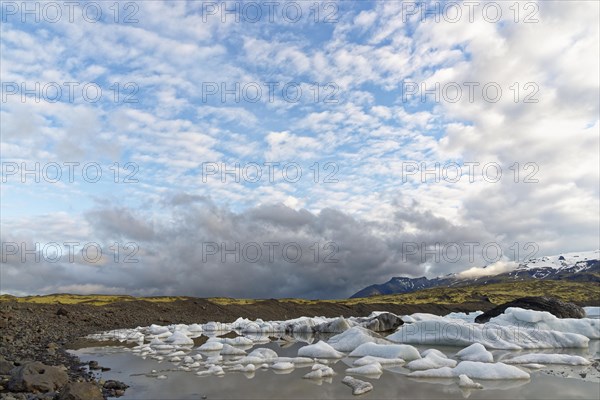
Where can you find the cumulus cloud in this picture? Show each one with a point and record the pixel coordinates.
(496, 268)
(365, 137)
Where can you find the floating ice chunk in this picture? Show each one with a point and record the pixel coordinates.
(470, 317)
(242, 368)
(239, 341)
(430, 361)
(214, 359)
(404, 351)
(353, 338)
(211, 346)
(178, 353)
(383, 361)
(592, 312)
(175, 359)
(492, 336)
(316, 374)
(337, 325)
(475, 352)
(373, 368)
(283, 366)
(467, 383)
(319, 350)
(543, 320)
(532, 366)
(474, 369)
(229, 350)
(162, 377)
(216, 370)
(156, 342)
(157, 329)
(296, 360)
(424, 353)
(213, 370)
(264, 354)
(195, 328)
(197, 357)
(188, 360)
(179, 339)
(548, 359)
(216, 327)
(324, 371)
(358, 386)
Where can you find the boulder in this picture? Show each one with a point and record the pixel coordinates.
(5, 366)
(37, 377)
(81, 391)
(556, 307)
(382, 322)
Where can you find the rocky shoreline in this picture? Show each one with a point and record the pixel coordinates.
(41, 333)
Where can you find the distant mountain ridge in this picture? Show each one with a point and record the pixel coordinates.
(582, 266)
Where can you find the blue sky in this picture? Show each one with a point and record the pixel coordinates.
(359, 130)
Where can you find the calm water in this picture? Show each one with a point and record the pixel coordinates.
(561, 383)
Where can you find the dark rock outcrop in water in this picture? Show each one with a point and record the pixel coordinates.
(81, 391)
(554, 306)
(383, 322)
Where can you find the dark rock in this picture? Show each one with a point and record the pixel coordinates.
(5, 366)
(94, 365)
(553, 305)
(37, 377)
(62, 311)
(115, 385)
(382, 323)
(81, 391)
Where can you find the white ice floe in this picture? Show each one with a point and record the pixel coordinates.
(442, 332)
(383, 361)
(229, 350)
(211, 346)
(474, 369)
(466, 383)
(430, 361)
(535, 358)
(404, 351)
(242, 368)
(179, 338)
(592, 312)
(195, 328)
(424, 353)
(158, 329)
(352, 338)
(303, 361)
(373, 368)
(319, 350)
(543, 320)
(475, 352)
(358, 386)
(320, 371)
(283, 366)
(213, 370)
(264, 354)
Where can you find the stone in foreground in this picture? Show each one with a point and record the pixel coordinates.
(37, 377)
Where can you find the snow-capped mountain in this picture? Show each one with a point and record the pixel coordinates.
(567, 266)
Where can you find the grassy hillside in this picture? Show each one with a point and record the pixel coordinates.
(497, 293)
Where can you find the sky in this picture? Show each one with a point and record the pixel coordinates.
(292, 148)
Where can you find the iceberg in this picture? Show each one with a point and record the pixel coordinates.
(474, 369)
(475, 352)
(319, 350)
(404, 351)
